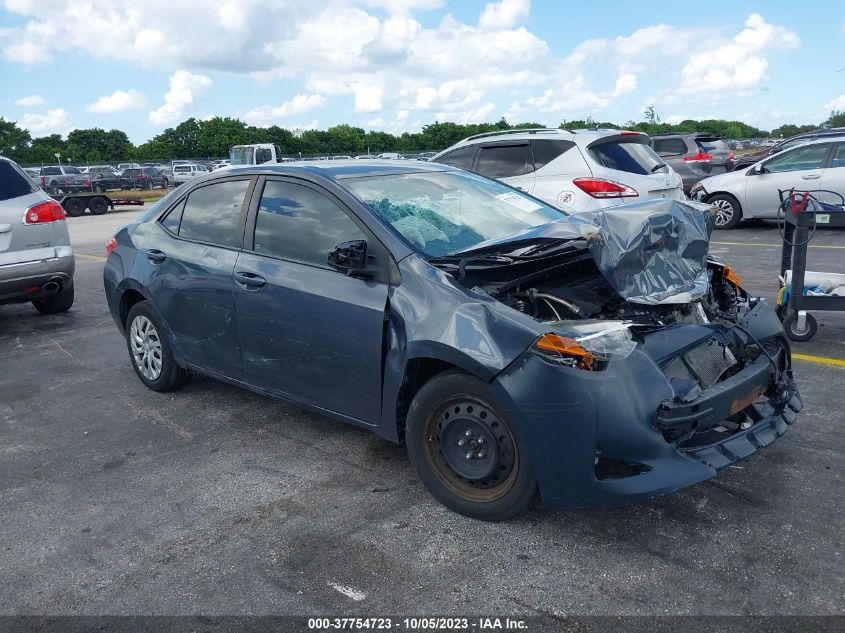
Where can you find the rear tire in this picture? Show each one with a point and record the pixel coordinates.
(74, 207)
(150, 352)
(98, 206)
(58, 303)
(730, 212)
(464, 450)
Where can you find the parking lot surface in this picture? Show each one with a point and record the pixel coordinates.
(215, 500)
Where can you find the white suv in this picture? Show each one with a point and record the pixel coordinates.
(574, 170)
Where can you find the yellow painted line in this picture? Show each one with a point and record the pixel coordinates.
(775, 245)
(821, 360)
(96, 258)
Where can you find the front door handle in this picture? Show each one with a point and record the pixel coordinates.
(156, 256)
(810, 177)
(250, 280)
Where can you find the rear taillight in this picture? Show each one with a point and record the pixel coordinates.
(698, 158)
(731, 156)
(42, 181)
(43, 212)
(601, 188)
(630, 133)
(88, 183)
(110, 246)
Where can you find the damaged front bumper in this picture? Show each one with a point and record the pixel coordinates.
(626, 433)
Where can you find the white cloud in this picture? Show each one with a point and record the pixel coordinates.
(372, 58)
(504, 14)
(118, 101)
(184, 88)
(298, 105)
(31, 101)
(739, 65)
(625, 83)
(53, 122)
(836, 104)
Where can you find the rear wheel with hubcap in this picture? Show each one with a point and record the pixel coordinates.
(729, 212)
(150, 351)
(464, 450)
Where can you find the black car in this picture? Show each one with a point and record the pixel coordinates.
(143, 178)
(600, 357)
(746, 160)
(103, 178)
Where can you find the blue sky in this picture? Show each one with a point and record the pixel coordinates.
(144, 65)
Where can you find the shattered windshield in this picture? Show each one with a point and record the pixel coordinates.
(444, 212)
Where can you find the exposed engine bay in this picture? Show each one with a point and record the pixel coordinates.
(570, 286)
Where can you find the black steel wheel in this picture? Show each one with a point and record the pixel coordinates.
(98, 205)
(465, 450)
(790, 326)
(74, 207)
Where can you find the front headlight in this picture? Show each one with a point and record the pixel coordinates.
(582, 343)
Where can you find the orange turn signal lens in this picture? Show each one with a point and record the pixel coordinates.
(554, 345)
(731, 276)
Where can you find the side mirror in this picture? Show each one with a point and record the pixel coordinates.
(757, 170)
(349, 257)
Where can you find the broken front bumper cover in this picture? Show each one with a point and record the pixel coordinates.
(621, 434)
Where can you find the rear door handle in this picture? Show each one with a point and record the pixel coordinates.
(250, 280)
(810, 177)
(156, 256)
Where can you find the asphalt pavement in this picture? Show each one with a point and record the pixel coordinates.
(214, 500)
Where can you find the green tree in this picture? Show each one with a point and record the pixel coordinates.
(216, 136)
(13, 140)
(345, 139)
(650, 115)
(836, 119)
(45, 148)
(96, 145)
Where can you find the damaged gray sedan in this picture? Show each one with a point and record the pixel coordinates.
(596, 359)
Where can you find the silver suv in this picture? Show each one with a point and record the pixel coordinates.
(36, 259)
(574, 170)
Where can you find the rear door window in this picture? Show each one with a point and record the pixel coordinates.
(546, 150)
(634, 158)
(839, 156)
(13, 183)
(460, 158)
(296, 222)
(213, 213)
(504, 161)
(670, 146)
(798, 159)
(51, 171)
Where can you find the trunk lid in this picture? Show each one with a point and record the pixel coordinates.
(628, 158)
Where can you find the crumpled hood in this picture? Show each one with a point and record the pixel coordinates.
(651, 252)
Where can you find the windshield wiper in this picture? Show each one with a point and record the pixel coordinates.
(658, 167)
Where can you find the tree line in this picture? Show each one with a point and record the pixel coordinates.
(213, 137)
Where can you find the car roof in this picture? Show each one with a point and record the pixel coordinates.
(584, 137)
(340, 169)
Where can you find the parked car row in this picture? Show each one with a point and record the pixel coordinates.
(59, 179)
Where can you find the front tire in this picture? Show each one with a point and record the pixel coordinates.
(729, 213)
(58, 303)
(465, 451)
(150, 352)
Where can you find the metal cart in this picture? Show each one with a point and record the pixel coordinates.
(799, 214)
